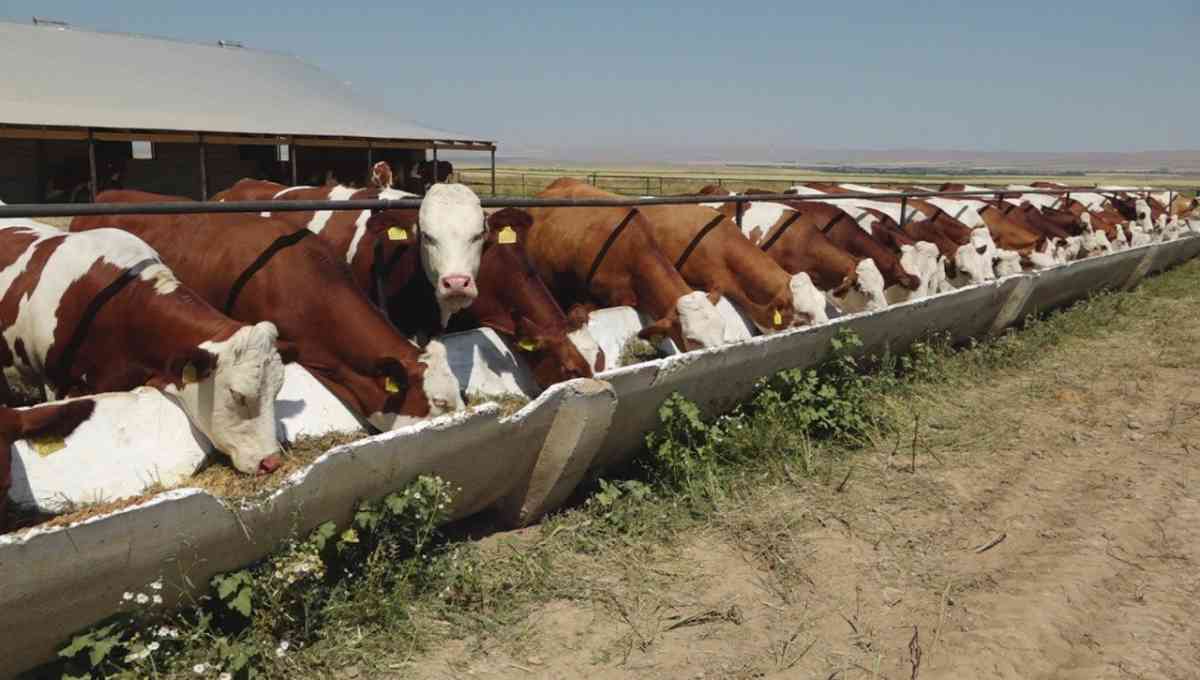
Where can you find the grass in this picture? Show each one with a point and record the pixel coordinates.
(389, 590)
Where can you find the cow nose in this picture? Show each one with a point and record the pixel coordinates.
(981, 249)
(456, 283)
(269, 464)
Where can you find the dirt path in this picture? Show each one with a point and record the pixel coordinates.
(1085, 471)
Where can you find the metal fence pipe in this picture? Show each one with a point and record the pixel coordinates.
(191, 207)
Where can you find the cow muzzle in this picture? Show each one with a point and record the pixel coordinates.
(269, 464)
(457, 285)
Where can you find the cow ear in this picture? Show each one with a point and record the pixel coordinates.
(381, 175)
(514, 218)
(528, 336)
(392, 376)
(714, 296)
(289, 352)
(399, 226)
(191, 366)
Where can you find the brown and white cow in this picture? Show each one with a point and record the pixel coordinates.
(306, 290)
(49, 419)
(100, 312)
(804, 247)
(449, 230)
(381, 250)
(567, 247)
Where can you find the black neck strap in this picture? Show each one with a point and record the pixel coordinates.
(687, 252)
(608, 243)
(285, 241)
(66, 360)
(779, 232)
(829, 225)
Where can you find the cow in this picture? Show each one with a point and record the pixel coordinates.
(101, 312)
(381, 251)
(712, 254)
(875, 263)
(608, 257)
(974, 253)
(263, 269)
(1007, 232)
(57, 420)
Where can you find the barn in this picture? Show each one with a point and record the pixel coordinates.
(187, 118)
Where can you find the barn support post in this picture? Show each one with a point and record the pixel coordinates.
(203, 170)
(435, 165)
(294, 155)
(493, 171)
(741, 207)
(903, 210)
(92, 162)
(370, 161)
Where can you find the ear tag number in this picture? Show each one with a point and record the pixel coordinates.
(507, 235)
(189, 373)
(390, 385)
(778, 319)
(397, 234)
(528, 345)
(44, 446)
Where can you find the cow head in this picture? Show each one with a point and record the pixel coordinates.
(807, 301)
(863, 290)
(1073, 248)
(694, 321)
(971, 265)
(452, 232)
(581, 337)
(439, 391)
(1043, 254)
(381, 175)
(1142, 210)
(1007, 263)
(554, 357)
(228, 389)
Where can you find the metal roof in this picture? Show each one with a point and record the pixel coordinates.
(63, 76)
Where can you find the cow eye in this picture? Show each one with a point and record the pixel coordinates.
(477, 238)
(429, 239)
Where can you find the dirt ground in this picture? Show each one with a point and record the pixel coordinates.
(1051, 529)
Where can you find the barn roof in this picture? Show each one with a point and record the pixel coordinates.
(62, 76)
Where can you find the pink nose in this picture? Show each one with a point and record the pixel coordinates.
(457, 283)
(269, 464)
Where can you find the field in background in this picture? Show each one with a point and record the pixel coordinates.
(527, 180)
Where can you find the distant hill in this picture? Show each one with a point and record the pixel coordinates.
(883, 161)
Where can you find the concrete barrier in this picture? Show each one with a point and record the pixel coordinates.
(62, 579)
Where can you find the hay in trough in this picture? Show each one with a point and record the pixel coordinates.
(508, 403)
(636, 350)
(221, 479)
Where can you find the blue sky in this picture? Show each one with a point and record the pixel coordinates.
(759, 78)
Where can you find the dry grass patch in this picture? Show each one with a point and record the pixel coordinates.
(223, 481)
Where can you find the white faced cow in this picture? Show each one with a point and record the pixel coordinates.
(100, 312)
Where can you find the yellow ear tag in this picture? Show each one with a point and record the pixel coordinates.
(778, 318)
(397, 234)
(390, 385)
(527, 345)
(189, 374)
(46, 445)
(507, 235)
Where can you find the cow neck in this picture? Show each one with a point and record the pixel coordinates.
(695, 242)
(279, 244)
(382, 266)
(608, 244)
(508, 287)
(61, 374)
(779, 231)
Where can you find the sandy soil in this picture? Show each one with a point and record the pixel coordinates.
(1051, 529)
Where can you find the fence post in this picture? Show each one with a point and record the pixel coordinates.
(493, 170)
(523, 184)
(92, 162)
(647, 184)
(203, 170)
(660, 186)
(594, 179)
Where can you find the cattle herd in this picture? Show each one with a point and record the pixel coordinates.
(208, 308)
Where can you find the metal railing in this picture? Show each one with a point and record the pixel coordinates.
(200, 207)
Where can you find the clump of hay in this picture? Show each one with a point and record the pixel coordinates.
(508, 403)
(221, 479)
(27, 516)
(636, 350)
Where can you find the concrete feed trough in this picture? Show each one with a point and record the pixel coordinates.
(62, 579)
